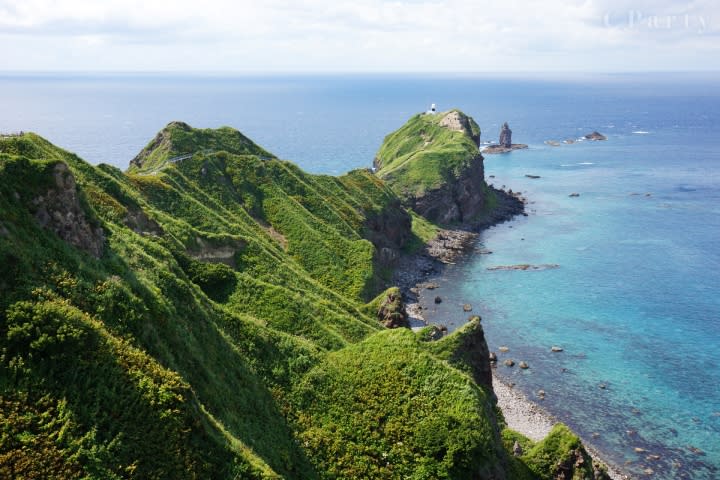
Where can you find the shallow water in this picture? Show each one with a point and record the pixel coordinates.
(634, 302)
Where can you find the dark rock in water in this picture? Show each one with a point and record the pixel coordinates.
(695, 450)
(524, 365)
(555, 348)
(517, 449)
(60, 211)
(467, 308)
(532, 176)
(505, 136)
(595, 136)
(602, 386)
(574, 195)
(509, 363)
(438, 299)
(525, 266)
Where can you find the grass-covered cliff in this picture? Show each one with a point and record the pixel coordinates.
(216, 317)
(434, 165)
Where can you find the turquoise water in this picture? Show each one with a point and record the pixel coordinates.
(635, 300)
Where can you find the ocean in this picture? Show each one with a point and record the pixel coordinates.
(635, 299)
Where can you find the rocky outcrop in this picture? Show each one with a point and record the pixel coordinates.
(439, 176)
(389, 230)
(595, 136)
(60, 211)
(457, 201)
(460, 122)
(505, 136)
(472, 352)
(213, 252)
(504, 144)
(139, 222)
(579, 464)
(392, 311)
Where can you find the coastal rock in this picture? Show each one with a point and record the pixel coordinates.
(503, 349)
(595, 136)
(532, 176)
(467, 308)
(389, 230)
(523, 365)
(472, 352)
(505, 139)
(509, 363)
(579, 464)
(392, 312)
(438, 299)
(449, 191)
(60, 211)
(555, 348)
(492, 357)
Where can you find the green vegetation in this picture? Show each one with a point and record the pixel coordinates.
(227, 328)
(424, 155)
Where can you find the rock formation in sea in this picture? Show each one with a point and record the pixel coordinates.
(504, 144)
(595, 136)
(505, 136)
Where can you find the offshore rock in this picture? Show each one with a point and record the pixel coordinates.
(505, 136)
(595, 136)
(60, 211)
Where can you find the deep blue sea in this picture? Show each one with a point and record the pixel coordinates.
(635, 301)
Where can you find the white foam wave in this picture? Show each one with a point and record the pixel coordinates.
(640, 132)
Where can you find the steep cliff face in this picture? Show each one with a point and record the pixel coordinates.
(433, 164)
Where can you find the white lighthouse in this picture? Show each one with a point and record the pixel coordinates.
(432, 109)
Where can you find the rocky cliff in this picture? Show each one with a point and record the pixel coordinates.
(433, 164)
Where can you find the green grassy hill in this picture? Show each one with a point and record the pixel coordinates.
(434, 165)
(216, 317)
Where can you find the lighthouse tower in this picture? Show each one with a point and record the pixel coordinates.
(432, 109)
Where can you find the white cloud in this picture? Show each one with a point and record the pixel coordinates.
(371, 35)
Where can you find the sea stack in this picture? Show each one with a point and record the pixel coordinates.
(505, 136)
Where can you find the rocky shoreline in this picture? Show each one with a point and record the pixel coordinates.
(533, 421)
(448, 246)
(415, 273)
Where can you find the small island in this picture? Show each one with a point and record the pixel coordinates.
(595, 136)
(504, 144)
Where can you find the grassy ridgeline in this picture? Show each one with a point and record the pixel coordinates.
(221, 330)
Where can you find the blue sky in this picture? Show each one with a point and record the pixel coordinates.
(359, 36)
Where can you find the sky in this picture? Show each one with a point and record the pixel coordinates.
(359, 36)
